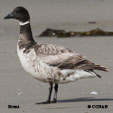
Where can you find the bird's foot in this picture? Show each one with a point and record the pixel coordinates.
(48, 102)
(45, 102)
(54, 100)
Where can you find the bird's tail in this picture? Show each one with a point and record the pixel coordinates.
(99, 67)
(87, 65)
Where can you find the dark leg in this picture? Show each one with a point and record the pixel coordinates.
(55, 94)
(50, 92)
(49, 97)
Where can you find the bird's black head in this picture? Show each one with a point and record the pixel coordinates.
(19, 13)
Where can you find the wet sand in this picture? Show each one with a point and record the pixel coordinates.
(19, 88)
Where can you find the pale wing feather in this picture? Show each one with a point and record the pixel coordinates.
(49, 49)
(64, 58)
(57, 55)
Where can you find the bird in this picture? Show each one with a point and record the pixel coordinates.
(49, 63)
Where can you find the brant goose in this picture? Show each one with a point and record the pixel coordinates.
(49, 63)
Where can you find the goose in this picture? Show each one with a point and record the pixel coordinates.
(49, 63)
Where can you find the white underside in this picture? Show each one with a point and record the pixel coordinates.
(45, 73)
(73, 75)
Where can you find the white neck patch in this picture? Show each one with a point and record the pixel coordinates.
(24, 23)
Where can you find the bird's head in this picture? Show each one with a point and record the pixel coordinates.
(19, 13)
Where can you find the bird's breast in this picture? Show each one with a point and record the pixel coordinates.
(33, 65)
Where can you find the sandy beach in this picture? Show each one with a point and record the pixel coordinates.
(19, 88)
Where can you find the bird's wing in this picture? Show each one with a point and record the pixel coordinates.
(64, 58)
(49, 49)
(58, 56)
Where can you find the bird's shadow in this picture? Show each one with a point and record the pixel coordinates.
(85, 99)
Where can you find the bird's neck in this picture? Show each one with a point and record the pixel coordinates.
(26, 32)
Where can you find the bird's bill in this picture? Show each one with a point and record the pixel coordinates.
(9, 16)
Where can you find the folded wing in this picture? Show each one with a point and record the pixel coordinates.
(64, 58)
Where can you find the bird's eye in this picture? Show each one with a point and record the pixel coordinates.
(17, 11)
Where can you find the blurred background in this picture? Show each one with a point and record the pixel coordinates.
(62, 14)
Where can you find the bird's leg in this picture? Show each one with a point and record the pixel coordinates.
(55, 94)
(50, 92)
(49, 97)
